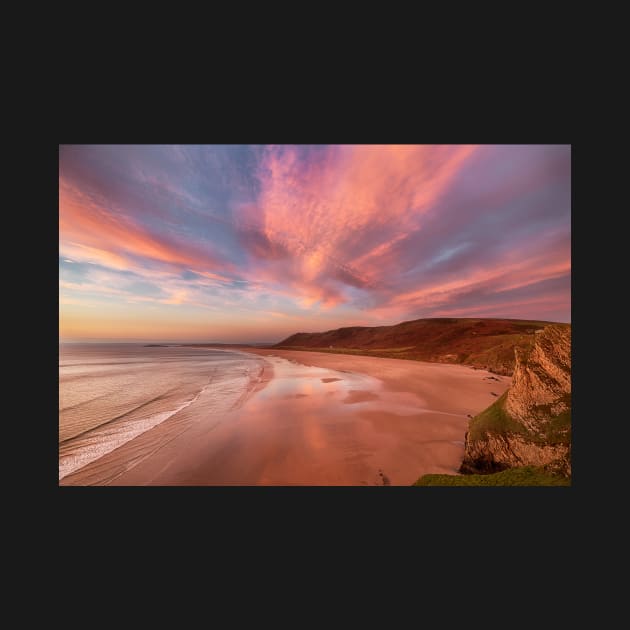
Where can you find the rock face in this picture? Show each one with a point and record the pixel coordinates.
(531, 423)
(499, 452)
(541, 384)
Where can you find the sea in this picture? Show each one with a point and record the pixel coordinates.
(111, 393)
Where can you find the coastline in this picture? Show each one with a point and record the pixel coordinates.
(401, 375)
(110, 466)
(315, 419)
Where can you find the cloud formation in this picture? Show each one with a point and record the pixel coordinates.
(377, 233)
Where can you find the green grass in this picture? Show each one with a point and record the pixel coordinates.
(525, 476)
(495, 419)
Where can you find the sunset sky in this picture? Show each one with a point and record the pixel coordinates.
(236, 243)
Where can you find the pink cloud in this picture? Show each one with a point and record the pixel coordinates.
(93, 231)
(318, 225)
(394, 232)
(371, 218)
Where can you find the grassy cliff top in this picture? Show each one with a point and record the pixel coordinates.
(525, 476)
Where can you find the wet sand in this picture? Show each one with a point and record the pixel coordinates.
(314, 419)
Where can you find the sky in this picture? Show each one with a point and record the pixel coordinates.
(232, 243)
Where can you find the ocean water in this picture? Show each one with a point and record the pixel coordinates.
(111, 393)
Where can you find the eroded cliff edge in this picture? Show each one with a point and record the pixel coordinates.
(530, 425)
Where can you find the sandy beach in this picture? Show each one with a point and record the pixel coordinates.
(313, 419)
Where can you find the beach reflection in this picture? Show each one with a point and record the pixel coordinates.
(313, 425)
(292, 380)
(323, 392)
(307, 425)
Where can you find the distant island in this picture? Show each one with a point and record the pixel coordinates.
(473, 402)
(338, 315)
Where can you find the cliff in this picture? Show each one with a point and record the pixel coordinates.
(479, 342)
(530, 425)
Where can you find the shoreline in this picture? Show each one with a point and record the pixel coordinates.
(116, 462)
(395, 373)
(319, 419)
(375, 353)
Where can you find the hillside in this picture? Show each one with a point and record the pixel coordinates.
(529, 426)
(531, 423)
(524, 437)
(481, 343)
